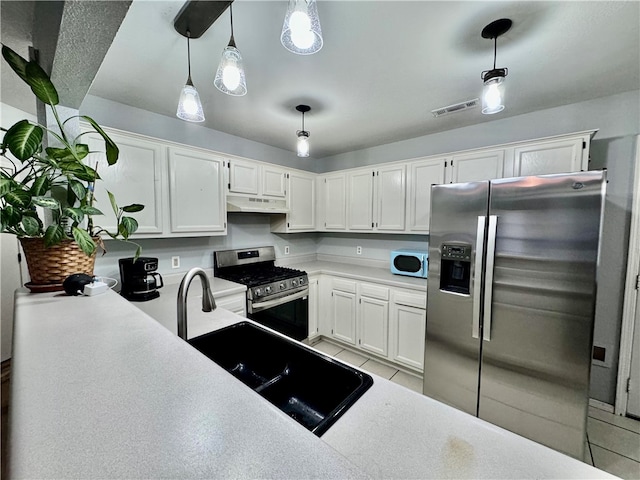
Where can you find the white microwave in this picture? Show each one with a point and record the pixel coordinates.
(413, 263)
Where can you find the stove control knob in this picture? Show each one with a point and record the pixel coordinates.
(282, 286)
(267, 290)
(301, 281)
(294, 283)
(257, 292)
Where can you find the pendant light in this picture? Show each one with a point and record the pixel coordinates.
(493, 93)
(189, 105)
(230, 74)
(301, 32)
(303, 135)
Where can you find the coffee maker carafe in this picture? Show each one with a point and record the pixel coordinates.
(140, 281)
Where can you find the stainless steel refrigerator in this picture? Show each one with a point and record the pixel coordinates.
(511, 301)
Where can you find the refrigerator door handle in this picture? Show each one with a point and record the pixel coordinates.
(477, 277)
(488, 276)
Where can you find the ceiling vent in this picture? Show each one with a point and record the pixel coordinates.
(456, 107)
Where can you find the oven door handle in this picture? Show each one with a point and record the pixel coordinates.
(257, 307)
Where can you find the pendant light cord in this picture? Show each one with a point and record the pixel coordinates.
(232, 41)
(495, 51)
(303, 121)
(189, 56)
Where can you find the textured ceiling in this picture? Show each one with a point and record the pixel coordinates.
(384, 65)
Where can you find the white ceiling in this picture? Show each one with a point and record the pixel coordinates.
(383, 67)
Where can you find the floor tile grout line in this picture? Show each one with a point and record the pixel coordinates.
(614, 425)
(613, 451)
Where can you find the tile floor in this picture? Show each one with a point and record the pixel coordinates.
(613, 441)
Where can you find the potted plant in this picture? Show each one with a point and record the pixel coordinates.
(60, 237)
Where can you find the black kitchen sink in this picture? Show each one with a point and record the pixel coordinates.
(310, 387)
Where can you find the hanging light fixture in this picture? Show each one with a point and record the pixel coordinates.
(303, 135)
(301, 32)
(230, 74)
(189, 105)
(493, 93)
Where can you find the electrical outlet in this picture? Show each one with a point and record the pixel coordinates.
(358, 250)
(175, 262)
(286, 249)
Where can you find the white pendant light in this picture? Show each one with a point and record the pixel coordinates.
(301, 32)
(189, 105)
(230, 77)
(493, 92)
(303, 135)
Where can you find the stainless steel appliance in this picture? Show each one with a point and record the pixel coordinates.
(140, 281)
(277, 297)
(511, 301)
(409, 262)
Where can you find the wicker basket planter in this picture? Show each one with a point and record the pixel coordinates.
(49, 266)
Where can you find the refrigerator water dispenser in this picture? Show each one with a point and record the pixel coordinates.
(455, 268)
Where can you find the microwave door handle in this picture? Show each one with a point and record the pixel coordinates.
(488, 278)
(477, 277)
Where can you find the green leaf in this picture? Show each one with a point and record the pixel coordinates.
(18, 198)
(138, 253)
(76, 214)
(112, 150)
(78, 170)
(16, 62)
(40, 185)
(78, 189)
(91, 210)
(59, 153)
(134, 207)
(82, 150)
(31, 226)
(23, 139)
(128, 226)
(114, 205)
(84, 241)
(40, 84)
(10, 216)
(5, 185)
(53, 235)
(46, 202)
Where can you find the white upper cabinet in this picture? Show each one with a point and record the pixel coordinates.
(273, 181)
(477, 166)
(360, 203)
(422, 174)
(244, 177)
(301, 203)
(196, 192)
(335, 202)
(555, 156)
(137, 177)
(391, 197)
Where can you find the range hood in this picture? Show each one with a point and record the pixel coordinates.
(256, 205)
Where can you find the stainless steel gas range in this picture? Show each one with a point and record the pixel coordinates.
(277, 297)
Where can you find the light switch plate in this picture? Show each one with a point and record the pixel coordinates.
(175, 262)
(286, 249)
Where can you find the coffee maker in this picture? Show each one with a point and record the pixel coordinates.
(140, 281)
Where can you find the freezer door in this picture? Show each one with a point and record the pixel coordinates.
(452, 347)
(536, 353)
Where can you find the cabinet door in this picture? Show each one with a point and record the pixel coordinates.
(474, 167)
(373, 318)
(302, 199)
(197, 196)
(273, 182)
(335, 202)
(314, 328)
(243, 177)
(408, 326)
(391, 192)
(423, 174)
(560, 156)
(360, 205)
(135, 178)
(344, 316)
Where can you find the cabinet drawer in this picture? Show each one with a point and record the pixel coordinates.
(344, 285)
(410, 299)
(374, 291)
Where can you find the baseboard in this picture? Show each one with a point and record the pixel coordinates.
(601, 405)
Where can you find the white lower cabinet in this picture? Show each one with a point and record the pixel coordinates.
(408, 329)
(236, 303)
(343, 310)
(373, 318)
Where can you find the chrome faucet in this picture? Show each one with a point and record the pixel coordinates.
(208, 302)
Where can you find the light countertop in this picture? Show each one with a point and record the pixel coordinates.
(100, 389)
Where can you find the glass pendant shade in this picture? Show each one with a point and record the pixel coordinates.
(189, 105)
(493, 96)
(301, 32)
(303, 143)
(230, 74)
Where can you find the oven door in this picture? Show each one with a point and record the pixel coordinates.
(288, 314)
